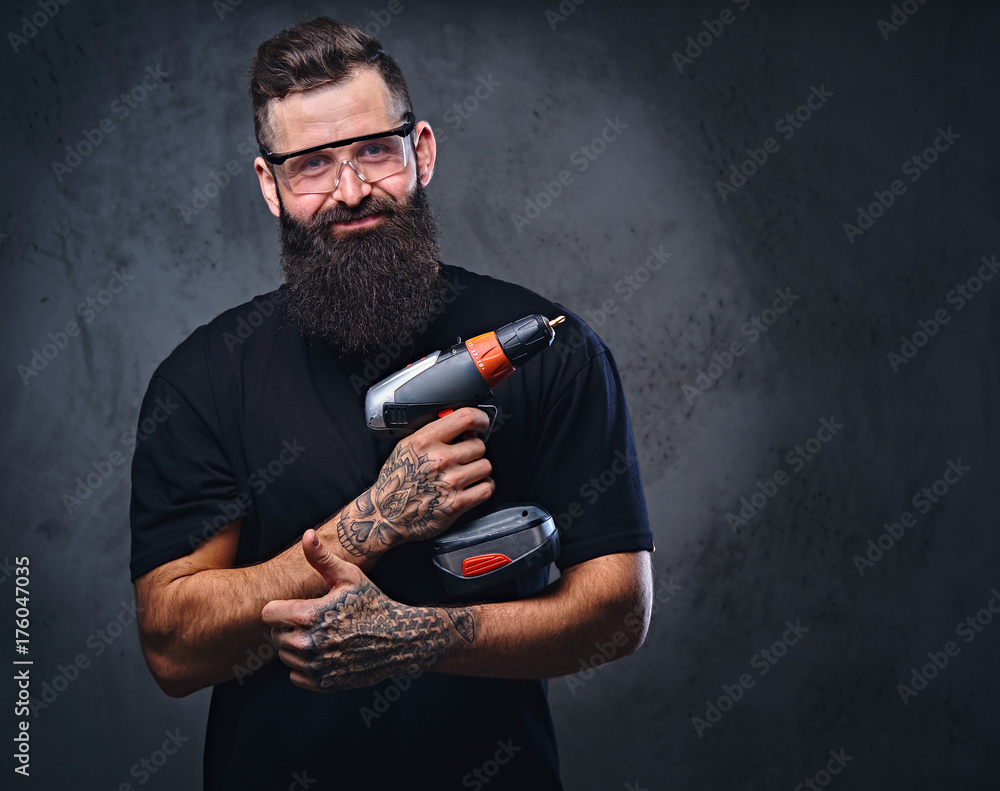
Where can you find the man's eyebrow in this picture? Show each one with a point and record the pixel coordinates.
(401, 130)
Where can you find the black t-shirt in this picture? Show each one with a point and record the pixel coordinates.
(249, 419)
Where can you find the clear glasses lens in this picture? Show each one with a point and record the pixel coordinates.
(321, 171)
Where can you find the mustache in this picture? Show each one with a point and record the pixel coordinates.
(368, 206)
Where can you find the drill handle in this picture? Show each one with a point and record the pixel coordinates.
(403, 419)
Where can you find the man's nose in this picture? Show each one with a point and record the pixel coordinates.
(352, 188)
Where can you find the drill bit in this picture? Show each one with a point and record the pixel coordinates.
(556, 320)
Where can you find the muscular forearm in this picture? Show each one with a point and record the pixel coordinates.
(603, 601)
(205, 626)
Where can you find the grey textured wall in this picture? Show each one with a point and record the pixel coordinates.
(129, 205)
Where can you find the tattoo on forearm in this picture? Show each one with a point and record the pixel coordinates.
(407, 499)
(383, 638)
(464, 622)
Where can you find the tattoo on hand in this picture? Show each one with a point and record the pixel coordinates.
(407, 499)
(363, 637)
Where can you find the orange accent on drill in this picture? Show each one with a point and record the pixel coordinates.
(452, 378)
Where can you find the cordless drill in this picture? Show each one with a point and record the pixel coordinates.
(505, 542)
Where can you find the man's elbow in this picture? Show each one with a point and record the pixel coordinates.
(638, 605)
(628, 601)
(174, 683)
(172, 675)
(636, 622)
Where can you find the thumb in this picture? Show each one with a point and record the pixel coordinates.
(331, 568)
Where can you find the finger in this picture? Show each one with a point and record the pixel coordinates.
(296, 660)
(473, 496)
(445, 429)
(300, 679)
(291, 638)
(282, 634)
(282, 612)
(333, 570)
(468, 474)
(466, 451)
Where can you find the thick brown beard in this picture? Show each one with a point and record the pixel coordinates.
(362, 290)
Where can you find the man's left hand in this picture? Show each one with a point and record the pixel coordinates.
(355, 635)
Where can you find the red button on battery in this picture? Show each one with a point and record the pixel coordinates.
(481, 564)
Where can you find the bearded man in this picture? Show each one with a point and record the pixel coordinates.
(280, 550)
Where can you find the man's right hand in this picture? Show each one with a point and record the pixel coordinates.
(427, 482)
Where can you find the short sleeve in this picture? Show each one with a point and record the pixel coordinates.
(588, 462)
(183, 488)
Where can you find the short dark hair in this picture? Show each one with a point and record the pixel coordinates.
(311, 54)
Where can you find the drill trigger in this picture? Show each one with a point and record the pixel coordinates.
(493, 412)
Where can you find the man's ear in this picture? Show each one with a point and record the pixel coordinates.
(426, 147)
(268, 186)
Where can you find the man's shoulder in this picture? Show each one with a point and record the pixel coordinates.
(477, 289)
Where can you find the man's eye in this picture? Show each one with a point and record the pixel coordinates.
(374, 151)
(310, 165)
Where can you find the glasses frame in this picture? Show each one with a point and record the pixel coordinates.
(404, 131)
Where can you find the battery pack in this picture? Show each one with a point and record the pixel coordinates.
(494, 548)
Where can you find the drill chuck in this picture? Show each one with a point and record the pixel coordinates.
(523, 339)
